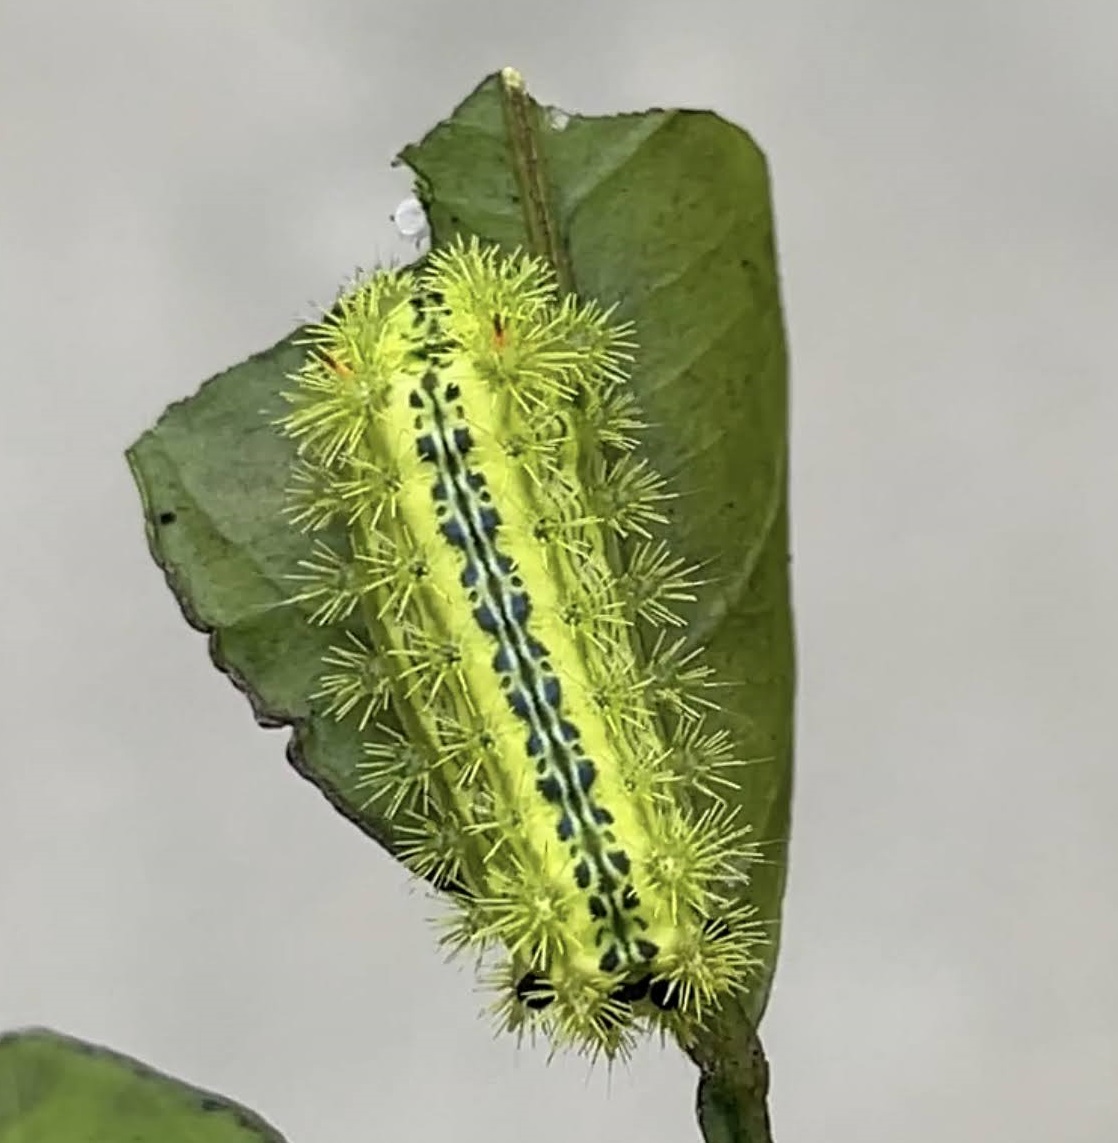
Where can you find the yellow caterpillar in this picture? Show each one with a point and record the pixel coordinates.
(505, 593)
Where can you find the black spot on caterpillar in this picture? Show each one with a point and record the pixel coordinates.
(532, 991)
(632, 991)
(664, 994)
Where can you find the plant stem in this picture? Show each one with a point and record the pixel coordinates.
(522, 121)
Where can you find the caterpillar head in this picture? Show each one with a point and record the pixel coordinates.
(471, 440)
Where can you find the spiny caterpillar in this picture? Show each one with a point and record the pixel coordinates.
(473, 434)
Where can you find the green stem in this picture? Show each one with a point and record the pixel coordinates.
(732, 1100)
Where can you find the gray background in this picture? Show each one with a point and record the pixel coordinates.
(182, 181)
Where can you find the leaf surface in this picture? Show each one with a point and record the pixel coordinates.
(55, 1089)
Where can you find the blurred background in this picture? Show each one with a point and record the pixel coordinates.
(181, 183)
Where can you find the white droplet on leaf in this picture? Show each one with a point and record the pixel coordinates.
(410, 219)
(557, 118)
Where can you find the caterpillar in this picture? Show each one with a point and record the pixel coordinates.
(471, 436)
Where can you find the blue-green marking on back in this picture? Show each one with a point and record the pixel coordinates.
(469, 521)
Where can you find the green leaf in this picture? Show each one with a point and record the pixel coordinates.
(212, 476)
(665, 214)
(54, 1089)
